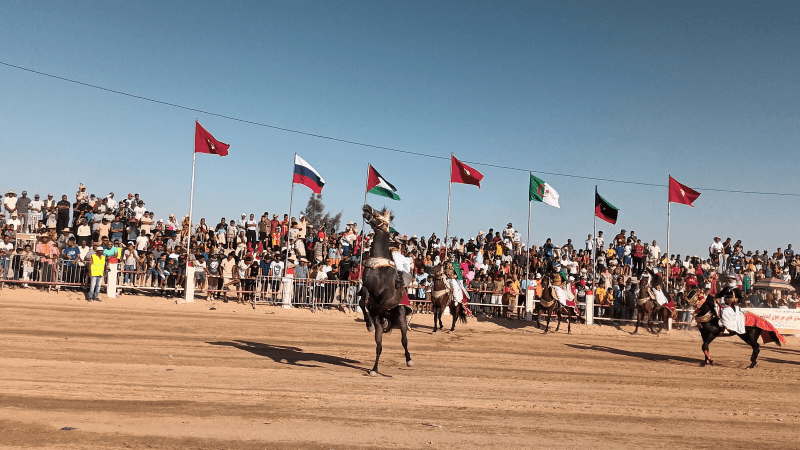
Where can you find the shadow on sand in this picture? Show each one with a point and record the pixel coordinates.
(641, 355)
(290, 355)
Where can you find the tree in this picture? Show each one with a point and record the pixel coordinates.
(317, 216)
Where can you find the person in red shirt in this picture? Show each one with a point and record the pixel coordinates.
(275, 232)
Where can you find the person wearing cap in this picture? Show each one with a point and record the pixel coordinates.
(111, 203)
(715, 252)
(47, 253)
(63, 239)
(70, 253)
(15, 222)
(10, 203)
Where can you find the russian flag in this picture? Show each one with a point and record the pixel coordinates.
(306, 175)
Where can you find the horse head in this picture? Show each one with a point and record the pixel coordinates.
(378, 220)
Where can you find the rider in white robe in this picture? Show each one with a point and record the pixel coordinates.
(733, 319)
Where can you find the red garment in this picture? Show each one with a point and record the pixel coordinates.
(768, 332)
(405, 301)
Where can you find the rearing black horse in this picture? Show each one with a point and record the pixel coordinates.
(380, 293)
(708, 322)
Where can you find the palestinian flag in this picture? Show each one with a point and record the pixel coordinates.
(377, 185)
(604, 210)
(542, 192)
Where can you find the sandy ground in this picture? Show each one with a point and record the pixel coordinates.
(142, 372)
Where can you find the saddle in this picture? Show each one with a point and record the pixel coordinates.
(546, 304)
(376, 262)
(705, 317)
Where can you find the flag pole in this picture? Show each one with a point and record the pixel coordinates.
(528, 240)
(291, 201)
(668, 223)
(449, 194)
(590, 311)
(363, 225)
(190, 298)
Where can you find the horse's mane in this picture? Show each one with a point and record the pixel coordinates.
(387, 213)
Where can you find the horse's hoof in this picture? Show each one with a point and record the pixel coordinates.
(373, 373)
(370, 328)
(753, 366)
(410, 363)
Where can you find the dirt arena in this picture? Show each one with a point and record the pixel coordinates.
(142, 372)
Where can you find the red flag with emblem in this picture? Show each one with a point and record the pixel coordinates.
(204, 142)
(679, 193)
(462, 173)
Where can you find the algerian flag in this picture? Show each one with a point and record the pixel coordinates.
(377, 185)
(542, 192)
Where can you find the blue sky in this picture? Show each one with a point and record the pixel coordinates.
(705, 91)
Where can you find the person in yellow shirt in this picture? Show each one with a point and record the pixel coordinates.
(98, 265)
(600, 295)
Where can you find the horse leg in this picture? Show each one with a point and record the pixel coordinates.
(454, 313)
(547, 326)
(569, 322)
(435, 314)
(638, 319)
(538, 318)
(378, 348)
(650, 321)
(558, 314)
(751, 337)
(404, 335)
(708, 336)
(363, 304)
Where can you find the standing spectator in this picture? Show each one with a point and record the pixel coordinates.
(10, 203)
(47, 253)
(62, 209)
(6, 256)
(263, 228)
(251, 227)
(35, 211)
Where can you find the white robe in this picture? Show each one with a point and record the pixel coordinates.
(661, 299)
(733, 319)
(561, 295)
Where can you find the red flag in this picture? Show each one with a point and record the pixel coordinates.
(204, 142)
(679, 193)
(462, 173)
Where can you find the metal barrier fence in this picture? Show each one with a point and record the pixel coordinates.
(287, 291)
(30, 269)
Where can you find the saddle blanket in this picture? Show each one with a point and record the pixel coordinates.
(671, 307)
(405, 301)
(768, 332)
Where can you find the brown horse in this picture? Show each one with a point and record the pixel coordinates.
(647, 307)
(442, 298)
(550, 305)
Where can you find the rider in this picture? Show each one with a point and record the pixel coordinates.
(455, 281)
(402, 263)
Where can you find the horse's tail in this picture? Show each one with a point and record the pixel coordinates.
(462, 313)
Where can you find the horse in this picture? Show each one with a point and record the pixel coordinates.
(708, 323)
(550, 305)
(380, 293)
(442, 298)
(647, 307)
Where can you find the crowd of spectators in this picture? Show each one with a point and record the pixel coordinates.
(495, 266)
